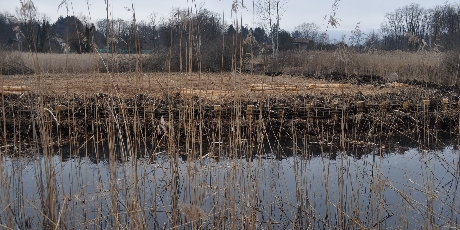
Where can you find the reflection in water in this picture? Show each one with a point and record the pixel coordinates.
(366, 187)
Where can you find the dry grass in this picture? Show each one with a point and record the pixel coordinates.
(394, 65)
(216, 88)
(61, 63)
(52, 63)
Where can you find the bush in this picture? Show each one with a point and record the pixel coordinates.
(126, 63)
(155, 62)
(12, 64)
(450, 66)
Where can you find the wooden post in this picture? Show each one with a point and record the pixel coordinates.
(405, 106)
(360, 106)
(335, 110)
(308, 108)
(122, 108)
(249, 111)
(217, 111)
(384, 107)
(281, 111)
(151, 110)
(57, 110)
(426, 105)
(445, 104)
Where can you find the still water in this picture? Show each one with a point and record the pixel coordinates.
(399, 186)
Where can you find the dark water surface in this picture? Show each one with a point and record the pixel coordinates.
(399, 187)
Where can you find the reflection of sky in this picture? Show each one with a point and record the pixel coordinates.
(280, 189)
(370, 14)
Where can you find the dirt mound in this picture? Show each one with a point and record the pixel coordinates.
(454, 89)
(380, 81)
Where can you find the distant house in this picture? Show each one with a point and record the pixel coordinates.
(265, 49)
(120, 51)
(302, 43)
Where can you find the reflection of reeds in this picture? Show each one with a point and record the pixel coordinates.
(193, 213)
(236, 192)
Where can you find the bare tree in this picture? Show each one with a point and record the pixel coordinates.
(6, 26)
(371, 42)
(406, 27)
(445, 25)
(269, 13)
(309, 31)
(357, 36)
(149, 32)
(27, 16)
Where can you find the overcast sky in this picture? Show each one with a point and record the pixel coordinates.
(370, 13)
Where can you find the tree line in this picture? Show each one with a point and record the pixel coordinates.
(415, 28)
(409, 28)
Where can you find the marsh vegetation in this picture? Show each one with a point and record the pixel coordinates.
(195, 137)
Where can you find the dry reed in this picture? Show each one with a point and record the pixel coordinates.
(203, 151)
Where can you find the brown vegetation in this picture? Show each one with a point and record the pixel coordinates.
(433, 67)
(205, 150)
(157, 85)
(162, 141)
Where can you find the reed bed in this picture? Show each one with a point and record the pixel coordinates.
(112, 151)
(61, 63)
(341, 140)
(391, 65)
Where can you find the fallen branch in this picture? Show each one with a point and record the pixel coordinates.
(266, 87)
(16, 88)
(327, 86)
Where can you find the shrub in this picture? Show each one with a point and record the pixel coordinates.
(126, 63)
(155, 62)
(13, 64)
(450, 66)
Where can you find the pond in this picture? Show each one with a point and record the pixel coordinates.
(288, 185)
